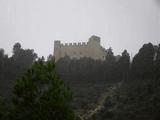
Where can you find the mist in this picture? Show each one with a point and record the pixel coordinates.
(121, 24)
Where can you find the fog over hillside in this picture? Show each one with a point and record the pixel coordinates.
(120, 23)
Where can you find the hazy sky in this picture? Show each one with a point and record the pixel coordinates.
(121, 24)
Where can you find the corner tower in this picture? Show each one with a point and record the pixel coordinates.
(57, 50)
(94, 40)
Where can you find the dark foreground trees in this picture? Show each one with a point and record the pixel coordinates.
(41, 95)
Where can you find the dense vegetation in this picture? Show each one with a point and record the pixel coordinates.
(136, 83)
(137, 98)
(38, 93)
(14, 67)
(41, 95)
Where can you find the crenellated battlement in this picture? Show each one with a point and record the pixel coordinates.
(73, 44)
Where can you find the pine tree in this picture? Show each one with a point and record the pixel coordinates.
(143, 62)
(124, 65)
(41, 95)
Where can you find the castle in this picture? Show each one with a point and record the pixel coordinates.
(91, 49)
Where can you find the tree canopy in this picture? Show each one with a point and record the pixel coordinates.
(41, 95)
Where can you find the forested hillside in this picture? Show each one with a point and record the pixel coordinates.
(114, 89)
(136, 84)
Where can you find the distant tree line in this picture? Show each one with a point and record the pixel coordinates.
(145, 64)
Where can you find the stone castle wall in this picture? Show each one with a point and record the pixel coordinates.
(91, 49)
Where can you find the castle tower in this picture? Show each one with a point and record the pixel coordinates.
(57, 50)
(94, 40)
